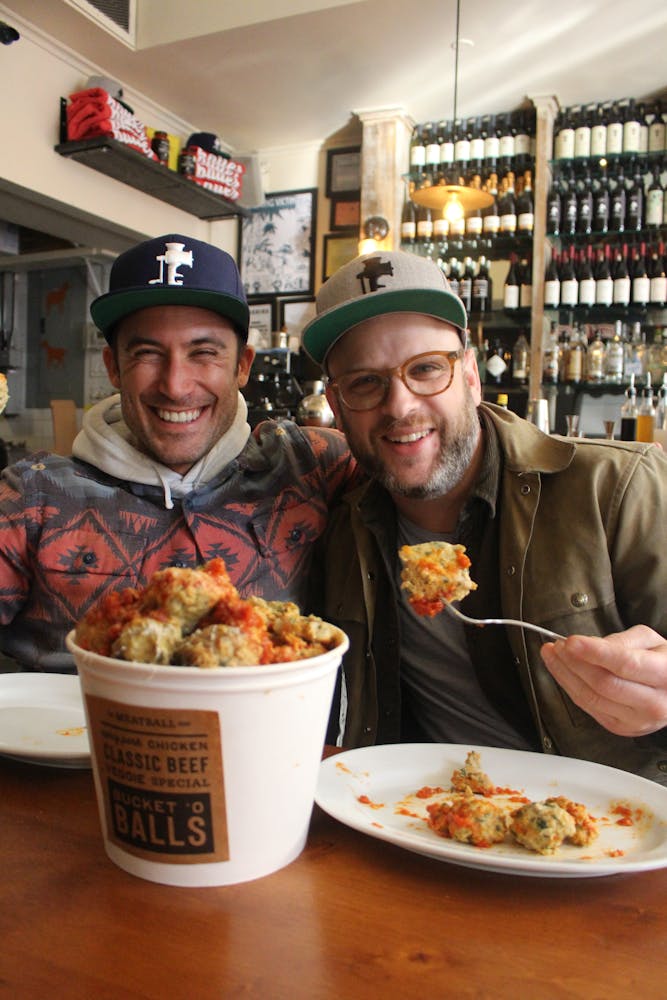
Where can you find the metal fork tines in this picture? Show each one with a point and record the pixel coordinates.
(481, 622)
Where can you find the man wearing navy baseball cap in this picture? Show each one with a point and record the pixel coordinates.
(166, 471)
(560, 533)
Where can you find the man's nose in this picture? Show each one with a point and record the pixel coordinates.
(398, 396)
(175, 379)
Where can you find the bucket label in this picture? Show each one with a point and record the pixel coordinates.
(162, 781)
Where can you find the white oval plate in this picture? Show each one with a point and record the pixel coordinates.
(389, 776)
(42, 719)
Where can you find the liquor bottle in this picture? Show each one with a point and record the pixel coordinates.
(520, 360)
(645, 413)
(525, 208)
(604, 282)
(511, 288)
(634, 361)
(634, 208)
(657, 277)
(618, 202)
(615, 356)
(656, 356)
(482, 289)
(595, 358)
(507, 207)
(660, 430)
(629, 413)
(601, 203)
(502, 400)
(621, 277)
(525, 271)
(576, 358)
(586, 279)
(552, 283)
(655, 201)
(550, 356)
(554, 210)
(641, 284)
(569, 283)
(496, 366)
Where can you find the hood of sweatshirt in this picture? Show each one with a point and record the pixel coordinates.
(106, 442)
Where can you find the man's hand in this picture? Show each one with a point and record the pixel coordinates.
(621, 679)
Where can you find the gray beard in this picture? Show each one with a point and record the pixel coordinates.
(457, 447)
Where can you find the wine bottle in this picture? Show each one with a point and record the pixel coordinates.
(473, 220)
(601, 203)
(629, 413)
(417, 153)
(569, 202)
(598, 131)
(491, 142)
(446, 151)
(525, 209)
(614, 356)
(424, 219)
(525, 272)
(582, 134)
(634, 210)
(554, 210)
(564, 144)
(631, 127)
(586, 279)
(657, 295)
(408, 223)
(520, 360)
(641, 283)
(454, 276)
(585, 205)
(569, 284)
(511, 287)
(552, 283)
(595, 358)
(550, 357)
(622, 285)
(655, 201)
(576, 355)
(604, 282)
(614, 130)
(634, 362)
(465, 284)
(432, 154)
(617, 202)
(482, 289)
(507, 207)
(490, 216)
(496, 366)
(461, 145)
(656, 130)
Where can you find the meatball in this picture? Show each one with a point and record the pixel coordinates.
(186, 595)
(147, 640)
(471, 777)
(220, 646)
(585, 825)
(542, 826)
(468, 820)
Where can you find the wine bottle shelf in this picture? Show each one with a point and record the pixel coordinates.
(611, 237)
(653, 158)
(493, 248)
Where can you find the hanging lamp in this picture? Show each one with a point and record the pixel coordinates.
(455, 200)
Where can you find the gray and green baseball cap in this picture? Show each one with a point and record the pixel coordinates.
(374, 284)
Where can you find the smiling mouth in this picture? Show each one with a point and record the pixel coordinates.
(408, 438)
(179, 416)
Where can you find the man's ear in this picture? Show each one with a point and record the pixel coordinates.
(246, 358)
(471, 374)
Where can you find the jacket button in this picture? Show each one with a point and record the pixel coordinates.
(662, 765)
(511, 570)
(578, 599)
(525, 489)
(547, 744)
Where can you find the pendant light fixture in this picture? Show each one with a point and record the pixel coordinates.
(454, 200)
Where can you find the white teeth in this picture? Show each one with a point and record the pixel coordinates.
(408, 438)
(178, 416)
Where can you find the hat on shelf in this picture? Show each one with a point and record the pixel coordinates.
(375, 284)
(172, 270)
(207, 141)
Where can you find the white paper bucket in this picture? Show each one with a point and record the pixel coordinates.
(205, 777)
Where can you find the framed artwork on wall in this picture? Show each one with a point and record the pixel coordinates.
(293, 315)
(339, 248)
(262, 324)
(276, 250)
(345, 214)
(343, 171)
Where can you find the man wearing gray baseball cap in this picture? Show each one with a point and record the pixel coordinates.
(559, 532)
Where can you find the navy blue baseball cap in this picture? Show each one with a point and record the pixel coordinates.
(172, 270)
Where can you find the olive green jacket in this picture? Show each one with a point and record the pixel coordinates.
(582, 550)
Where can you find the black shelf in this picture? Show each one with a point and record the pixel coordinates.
(117, 160)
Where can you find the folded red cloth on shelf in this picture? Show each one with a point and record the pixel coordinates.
(218, 173)
(94, 112)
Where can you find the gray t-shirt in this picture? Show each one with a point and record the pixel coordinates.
(439, 681)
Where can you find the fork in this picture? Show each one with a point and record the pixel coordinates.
(481, 622)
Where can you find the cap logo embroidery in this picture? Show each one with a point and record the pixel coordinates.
(374, 269)
(173, 258)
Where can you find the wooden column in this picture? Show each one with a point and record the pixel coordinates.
(385, 159)
(546, 108)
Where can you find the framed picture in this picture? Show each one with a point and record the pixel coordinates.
(293, 315)
(343, 171)
(277, 245)
(262, 324)
(345, 214)
(339, 248)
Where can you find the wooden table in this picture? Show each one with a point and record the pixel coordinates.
(352, 917)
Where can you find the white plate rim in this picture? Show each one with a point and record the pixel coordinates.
(35, 689)
(344, 775)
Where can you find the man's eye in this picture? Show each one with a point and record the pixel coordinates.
(427, 369)
(364, 382)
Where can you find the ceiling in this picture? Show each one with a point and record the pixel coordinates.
(269, 73)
